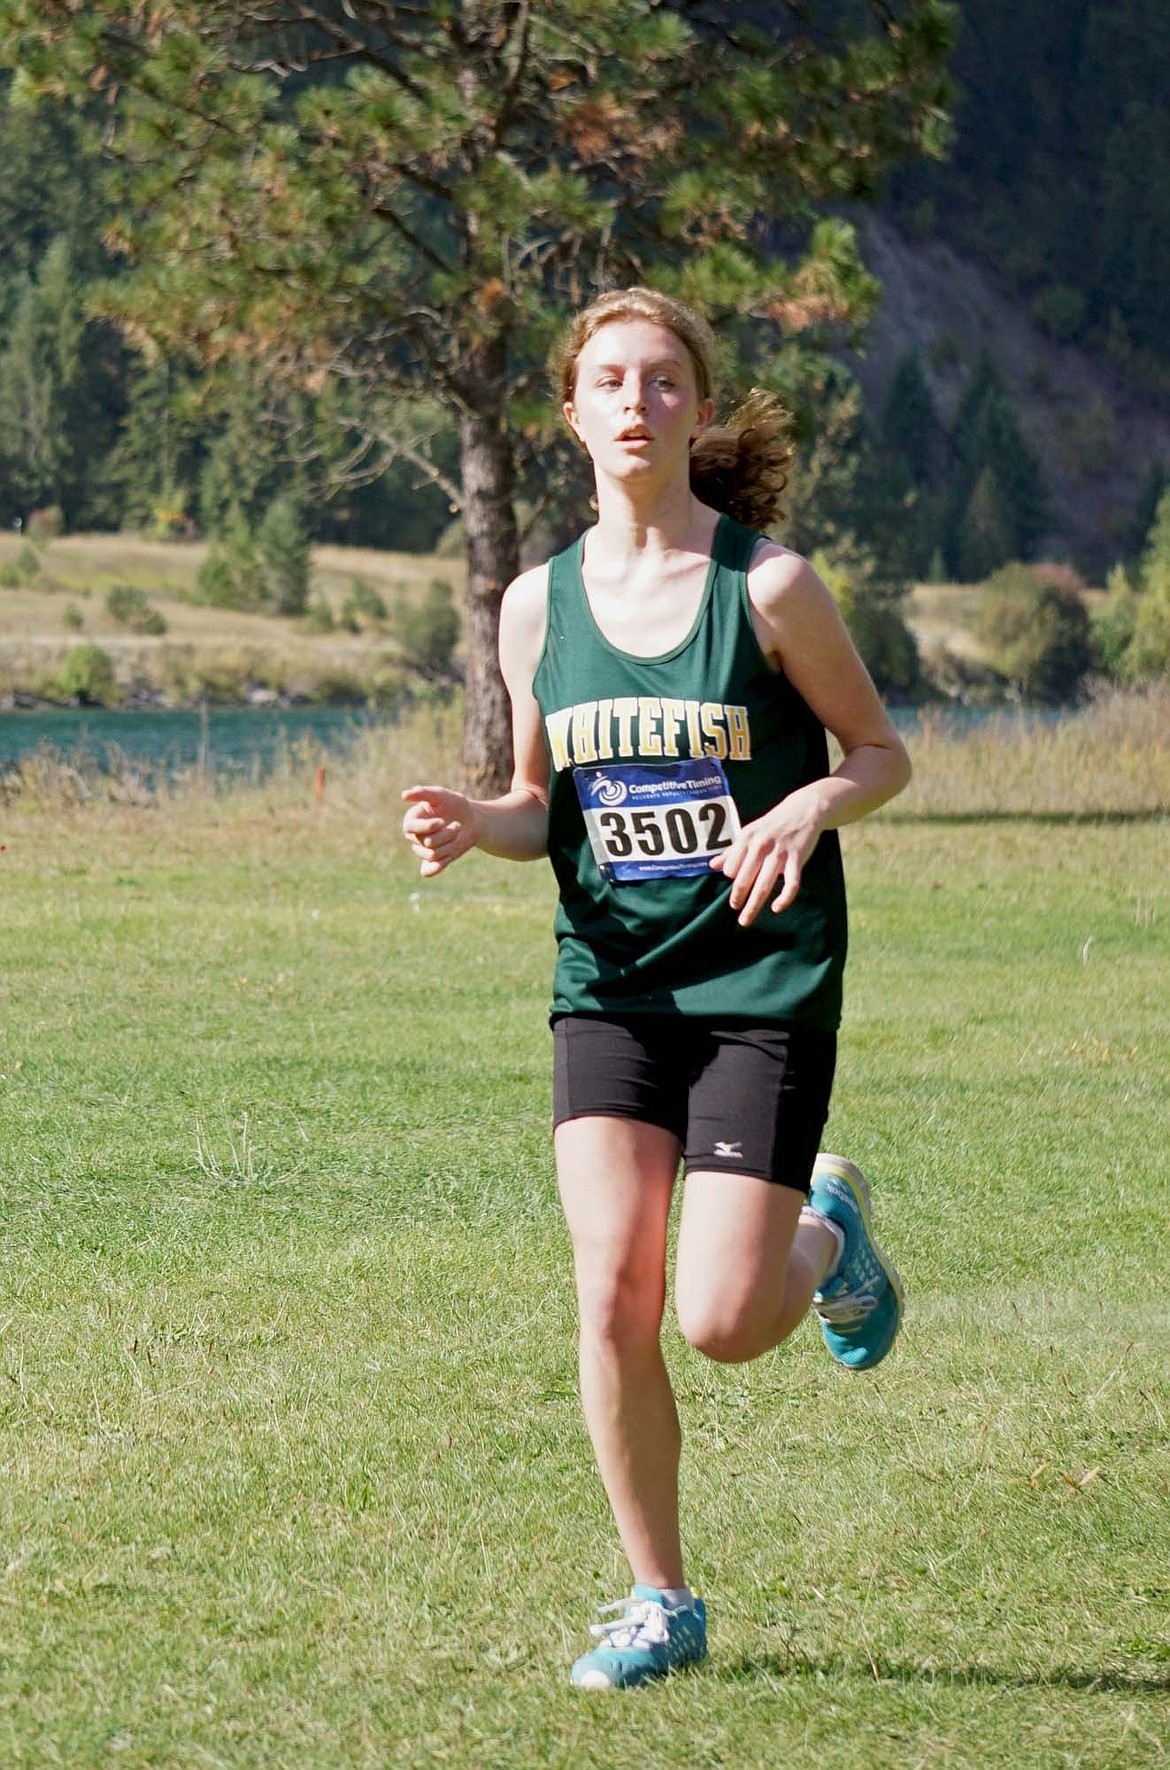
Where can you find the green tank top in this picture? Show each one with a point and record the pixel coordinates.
(653, 765)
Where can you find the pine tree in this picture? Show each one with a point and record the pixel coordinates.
(1145, 510)
(909, 424)
(984, 540)
(411, 198)
(986, 439)
(1149, 649)
(283, 546)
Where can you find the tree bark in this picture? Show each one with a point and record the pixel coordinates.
(493, 560)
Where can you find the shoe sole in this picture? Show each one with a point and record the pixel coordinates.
(843, 1169)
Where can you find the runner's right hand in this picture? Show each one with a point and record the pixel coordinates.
(439, 825)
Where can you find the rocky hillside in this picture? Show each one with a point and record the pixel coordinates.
(1095, 435)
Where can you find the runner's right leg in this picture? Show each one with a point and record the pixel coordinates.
(616, 1176)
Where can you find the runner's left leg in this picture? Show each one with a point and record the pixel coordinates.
(748, 1264)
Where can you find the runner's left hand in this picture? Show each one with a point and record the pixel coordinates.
(767, 853)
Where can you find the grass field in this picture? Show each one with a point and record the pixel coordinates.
(292, 1472)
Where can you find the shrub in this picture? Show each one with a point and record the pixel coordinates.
(46, 525)
(1036, 633)
(1059, 310)
(214, 582)
(318, 616)
(1113, 623)
(427, 630)
(72, 617)
(87, 675)
(128, 605)
(363, 606)
(27, 563)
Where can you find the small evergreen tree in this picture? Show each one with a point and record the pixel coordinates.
(909, 424)
(1149, 649)
(984, 540)
(1114, 622)
(283, 546)
(1145, 510)
(987, 438)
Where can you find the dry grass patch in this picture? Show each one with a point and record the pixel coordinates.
(1110, 760)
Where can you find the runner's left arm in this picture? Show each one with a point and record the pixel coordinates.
(801, 631)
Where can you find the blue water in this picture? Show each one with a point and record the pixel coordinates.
(228, 741)
(250, 742)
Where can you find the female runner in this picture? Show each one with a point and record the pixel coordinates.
(671, 678)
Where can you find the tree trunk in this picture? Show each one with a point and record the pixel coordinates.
(493, 559)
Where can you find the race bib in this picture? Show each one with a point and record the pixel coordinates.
(656, 820)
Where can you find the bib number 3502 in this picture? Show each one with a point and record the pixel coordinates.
(648, 822)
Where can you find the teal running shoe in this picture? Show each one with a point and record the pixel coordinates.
(861, 1305)
(646, 1641)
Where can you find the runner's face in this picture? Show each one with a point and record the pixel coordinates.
(635, 404)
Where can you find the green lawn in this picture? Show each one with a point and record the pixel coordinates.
(292, 1472)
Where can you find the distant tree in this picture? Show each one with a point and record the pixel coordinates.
(984, 540)
(155, 461)
(909, 424)
(1145, 510)
(283, 546)
(987, 440)
(39, 368)
(409, 199)
(1114, 622)
(1135, 220)
(1149, 649)
(55, 379)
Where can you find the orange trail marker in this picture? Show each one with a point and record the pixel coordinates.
(320, 782)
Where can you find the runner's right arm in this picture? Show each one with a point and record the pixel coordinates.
(440, 824)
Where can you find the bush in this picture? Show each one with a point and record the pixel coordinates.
(231, 575)
(363, 607)
(128, 605)
(214, 583)
(428, 630)
(24, 568)
(1059, 310)
(1114, 622)
(72, 617)
(46, 525)
(87, 675)
(318, 616)
(1036, 633)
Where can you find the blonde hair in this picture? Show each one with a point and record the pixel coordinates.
(739, 466)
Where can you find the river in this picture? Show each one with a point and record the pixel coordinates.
(229, 741)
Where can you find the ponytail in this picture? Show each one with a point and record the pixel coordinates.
(741, 466)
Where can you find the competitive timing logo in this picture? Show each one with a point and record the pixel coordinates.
(607, 791)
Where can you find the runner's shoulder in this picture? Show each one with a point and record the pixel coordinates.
(524, 616)
(778, 577)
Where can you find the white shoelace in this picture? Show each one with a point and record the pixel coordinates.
(641, 1624)
(847, 1311)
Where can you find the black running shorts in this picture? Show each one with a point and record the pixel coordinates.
(741, 1099)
